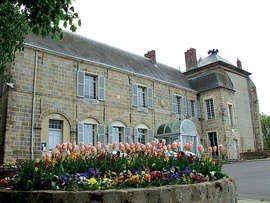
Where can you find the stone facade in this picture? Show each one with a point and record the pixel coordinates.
(45, 107)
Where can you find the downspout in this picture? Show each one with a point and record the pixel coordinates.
(33, 105)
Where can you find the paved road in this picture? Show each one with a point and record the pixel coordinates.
(252, 179)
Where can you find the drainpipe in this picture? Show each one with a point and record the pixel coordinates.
(33, 105)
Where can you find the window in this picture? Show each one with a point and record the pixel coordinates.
(143, 136)
(212, 136)
(179, 105)
(55, 133)
(119, 134)
(210, 109)
(191, 108)
(90, 87)
(142, 97)
(230, 114)
(91, 133)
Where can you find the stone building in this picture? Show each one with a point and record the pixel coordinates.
(78, 89)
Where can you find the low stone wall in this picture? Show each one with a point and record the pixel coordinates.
(223, 191)
(255, 155)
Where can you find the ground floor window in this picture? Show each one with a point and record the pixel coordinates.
(55, 133)
(212, 137)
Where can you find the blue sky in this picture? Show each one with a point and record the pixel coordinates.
(238, 29)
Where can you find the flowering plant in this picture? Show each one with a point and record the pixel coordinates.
(87, 167)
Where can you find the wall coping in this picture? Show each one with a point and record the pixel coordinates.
(223, 190)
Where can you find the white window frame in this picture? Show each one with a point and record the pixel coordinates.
(98, 134)
(210, 109)
(143, 100)
(100, 87)
(55, 134)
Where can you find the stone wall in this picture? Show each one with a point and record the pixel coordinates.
(223, 190)
(255, 155)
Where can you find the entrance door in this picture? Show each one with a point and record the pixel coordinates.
(235, 149)
(55, 133)
(212, 136)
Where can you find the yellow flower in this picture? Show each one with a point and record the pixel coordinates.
(143, 172)
(36, 168)
(93, 181)
(113, 173)
(166, 159)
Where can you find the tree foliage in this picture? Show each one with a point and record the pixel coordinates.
(41, 17)
(265, 122)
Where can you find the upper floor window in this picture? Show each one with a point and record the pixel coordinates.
(142, 97)
(191, 108)
(210, 109)
(90, 87)
(179, 105)
(91, 133)
(230, 114)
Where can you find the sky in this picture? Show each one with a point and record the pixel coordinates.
(237, 28)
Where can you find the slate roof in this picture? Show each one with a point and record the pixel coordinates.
(211, 80)
(87, 49)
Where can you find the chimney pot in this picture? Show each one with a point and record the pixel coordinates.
(191, 58)
(151, 55)
(239, 64)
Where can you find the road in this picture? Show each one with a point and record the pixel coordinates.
(252, 178)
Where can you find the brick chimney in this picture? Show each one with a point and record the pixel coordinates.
(191, 58)
(239, 64)
(151, 55)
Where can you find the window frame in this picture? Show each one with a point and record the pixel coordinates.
(147, 97)
(99, 89)
(210, 109)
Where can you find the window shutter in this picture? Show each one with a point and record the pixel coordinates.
(110, 129)
(134, 95)
(136, 135)
(101, 134)
(127, 135)
(174, 104)
(101, 88)
(150, 135)
(80, 83)
(184, 105)
(150, 97)
(80, 133)
(189, 107)
(198, 109)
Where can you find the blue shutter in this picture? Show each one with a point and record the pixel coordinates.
(101, 134)
(110, 133)
(184, 105)
(134, 95)
(127, 135)
(198, 109)
(80, 83)
(174, 104)
(101, 88)
(189, 110)
(136, 135)
(150, 97)
(80, 132)
(150, 135)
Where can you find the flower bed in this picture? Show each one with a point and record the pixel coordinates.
(78, 168)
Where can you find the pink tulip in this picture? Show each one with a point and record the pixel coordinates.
(137, 145)
(58, 146)
(153, 143)
(201, 149)
(107, 147)
(179, 145)
(98, 146)
(160, 145)
(164, 148)
(163, 142)
(75, 148)
(114, 145)
(221, 147)
(210, 150)
(73, 144)
(64, 146)
(174, 145)
(121, 147)
(143, 147)
(215, 148)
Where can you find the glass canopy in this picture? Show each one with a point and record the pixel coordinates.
(182, 127)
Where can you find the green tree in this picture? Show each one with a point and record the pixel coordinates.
(42, 17)
(265, 122)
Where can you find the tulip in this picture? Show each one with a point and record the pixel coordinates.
(210, 150)
(215, 148)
